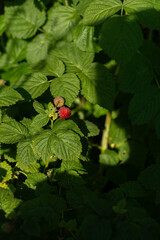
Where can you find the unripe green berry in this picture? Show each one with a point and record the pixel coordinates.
(58, 102)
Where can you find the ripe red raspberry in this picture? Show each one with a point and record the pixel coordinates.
(64, 112)
(58, 102)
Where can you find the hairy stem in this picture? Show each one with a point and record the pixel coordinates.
(51, 123)
(104, 143)
(122, 8)
(66, 3)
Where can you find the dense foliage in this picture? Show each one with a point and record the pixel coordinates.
(95, 175)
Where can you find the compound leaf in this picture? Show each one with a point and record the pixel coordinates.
(21, 22)
(75, 59)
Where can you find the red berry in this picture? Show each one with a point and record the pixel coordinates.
(64, 112)
(58, 101)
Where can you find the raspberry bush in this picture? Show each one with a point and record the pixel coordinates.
(79, 119)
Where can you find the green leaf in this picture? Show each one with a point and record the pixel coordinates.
(31, 227)
(146, 10)
(75, 59)
(88, 128)
(33, 130)
(5, 172)
(97, 85)
(2, 25)
(109, 158)
(152, 52)
(62, 124)
(137, 5)
(40, 120)
(83, 37)
(150, 177)
(26, 153)
(144, 105)
(70, 179)
(43, 143)
(132, 189)
(99, 10)
(93, 130)
(82, 6)
(157, 125)
(5, 61)
(66, 145)
(21, 22)
(14, 73)
(12, 132)
(93, 227)
(66, 86)
(52, 66)
(7, 202)
(126, 230)
(16, 49)
(38, 107)
(120, 38)
(47, 207)
(37, 49)
(31, 168)
(33, 179)
(35, 84)
(8, 96)
(150, 229)
(99, 111)
(15, 52)
(73, 165)
(61, 21)
(118, 132)
(131, 80)
(124, 152)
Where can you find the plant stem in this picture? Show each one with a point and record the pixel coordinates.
(51, 123)
(41, 30)
(157, 81)
(66, 3)
(104, 143)
(46, 165)
(122, 8)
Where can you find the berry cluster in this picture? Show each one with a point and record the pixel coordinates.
(64, 112)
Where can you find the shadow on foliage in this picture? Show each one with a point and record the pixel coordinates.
(63, 207)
